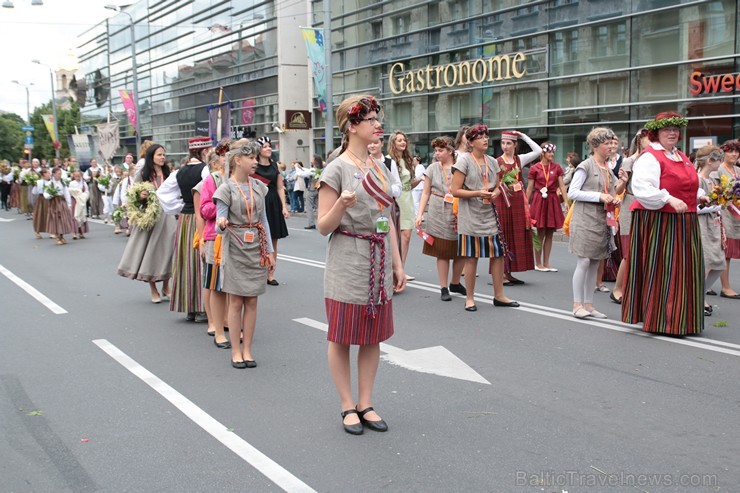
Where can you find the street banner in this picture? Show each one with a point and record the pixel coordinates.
(219, 122)
(108, 138)
(129, 106)
(315, 47)
(49, 123)
(248, 111)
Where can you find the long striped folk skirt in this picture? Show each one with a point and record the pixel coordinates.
(350, 324)
(664, 282)
(40, 214)
(186, 281)
(59, 220)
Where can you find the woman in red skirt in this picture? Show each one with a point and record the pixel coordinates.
(354, 208)
(545, 179)
(512, 207)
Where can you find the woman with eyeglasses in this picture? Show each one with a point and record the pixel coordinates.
(441, 223)
(275, 205)
(708, 161)
(475, 183)
(664, 282)
(354, 209)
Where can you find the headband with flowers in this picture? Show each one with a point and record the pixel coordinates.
(549, 148)
(476, 131)
(361, 108)
(447, 142)
(222, 148)
(731, 146)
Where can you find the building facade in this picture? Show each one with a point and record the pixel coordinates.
(552, 69)
(186, 52)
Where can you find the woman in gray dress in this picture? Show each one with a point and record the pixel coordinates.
(593, 219)
(354, 208)
(242, 219)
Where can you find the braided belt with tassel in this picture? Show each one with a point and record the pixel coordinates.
(375, 240)
(264, 252)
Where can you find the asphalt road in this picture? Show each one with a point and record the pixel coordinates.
(120, 395)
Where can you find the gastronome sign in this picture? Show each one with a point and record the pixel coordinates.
(460, 74)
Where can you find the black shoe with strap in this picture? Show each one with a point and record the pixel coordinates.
(355, 429)
(379, 425)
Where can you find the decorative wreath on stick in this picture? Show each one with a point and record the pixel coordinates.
(142, 213)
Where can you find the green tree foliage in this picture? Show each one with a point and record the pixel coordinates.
(11, 137)
(67, 121)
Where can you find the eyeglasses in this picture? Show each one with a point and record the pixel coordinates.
(373, 120)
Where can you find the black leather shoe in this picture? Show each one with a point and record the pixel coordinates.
(273, 282)
(222, 345)
(250, 363)
(707, 312)
(514, 281)
(614, 299)
(309, 227)
(200, 318)
(471, 308)
(458, 288)
(512, 304)
(445, 295)
(190, 317)
(373, 425)
(355, 429)
(238, 364)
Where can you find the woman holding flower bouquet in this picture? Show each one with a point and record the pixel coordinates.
(545, 180)
(664, 282)
(513, 208)
(708, 160)
(730, 217)
(60, 221)
(354, 208)
(41, 207)
(148, 253)
(242, 220)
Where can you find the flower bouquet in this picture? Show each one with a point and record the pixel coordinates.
(722, 194)
(117, 215)
(511, 177)
(31, 178)
(51, 190)
(316, 176)
(142, 212)
(16, 174)
(104, 182)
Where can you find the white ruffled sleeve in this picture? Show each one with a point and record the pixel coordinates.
(169, 196)
(645, 182)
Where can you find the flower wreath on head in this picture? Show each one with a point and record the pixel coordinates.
(674, 121)
(142, 213)
(362, 107)
(222, 148)
(731, 146)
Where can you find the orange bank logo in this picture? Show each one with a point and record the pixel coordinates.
(710, 84)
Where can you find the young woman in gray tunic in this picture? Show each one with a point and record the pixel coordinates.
(708, 160)
(246, 247)
(591, 237)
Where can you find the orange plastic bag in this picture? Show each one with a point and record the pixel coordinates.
(566, 223)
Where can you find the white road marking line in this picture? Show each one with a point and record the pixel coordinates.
(271, 469)
(35, 293)
(618, 326)
(100, 221)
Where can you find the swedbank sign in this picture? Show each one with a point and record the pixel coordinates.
(460, 74)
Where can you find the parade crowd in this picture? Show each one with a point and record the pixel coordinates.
(664, 226)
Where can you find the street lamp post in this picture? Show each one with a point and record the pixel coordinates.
(53, 107)
(28, 111)
(135, 76)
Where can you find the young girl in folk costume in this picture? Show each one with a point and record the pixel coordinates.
(97, 204)
(398, 149)
(214, 299)
(176, 197)
(277, 211)
(639, 143)
(148, 253)
(41, 208)
(591, 239)
(108, 190)
(119, 200)
(512, 207)
(708, 160)
(545, 179)
(242, 220)
(441, 223)
(60, 221)
(475, 183)
(730, 219)
(14, 201)
(80, 192)
(354, 208)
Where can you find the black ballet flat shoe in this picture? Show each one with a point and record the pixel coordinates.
(458, 288)
(190, 317)
(707, 312)
(355, 429)
(373, 425)
(471, 308)
(222, 345)
(711, 292)
(614, 299)
(250, 363)
(238, 364)
(515, 282)
(510, 304)
(445, 295)
(273, 282)
(731, 296)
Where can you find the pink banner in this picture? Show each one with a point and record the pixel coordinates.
(128, 104)
(248, 111)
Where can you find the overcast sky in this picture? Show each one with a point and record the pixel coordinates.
(45, 33)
